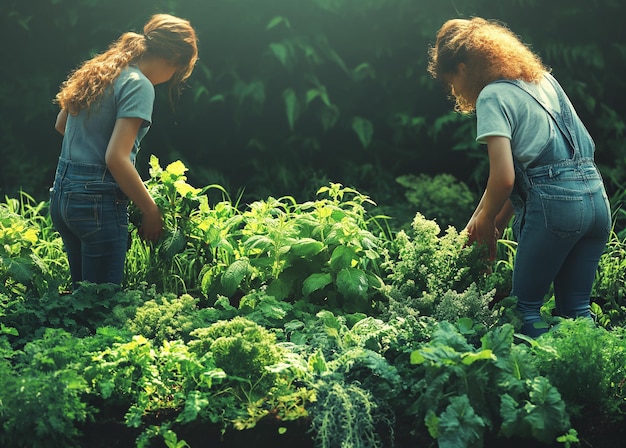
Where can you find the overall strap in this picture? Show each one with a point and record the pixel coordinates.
(559, 118)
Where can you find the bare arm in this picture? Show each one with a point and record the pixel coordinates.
(503, 217)
(59, 125)
(494, 205)
(117, 158)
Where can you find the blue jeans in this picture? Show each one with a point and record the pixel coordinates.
(90, 212)
(562, 233)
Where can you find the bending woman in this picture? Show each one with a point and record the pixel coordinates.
(106, 109)
(541, 166)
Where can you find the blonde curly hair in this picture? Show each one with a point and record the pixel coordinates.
(164, 36)
(489, 50)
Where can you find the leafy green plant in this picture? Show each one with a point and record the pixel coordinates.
(470, 304)
(463, 393)
(442, 198)
(29, 263)
(429, 264)
(609, 288)
(84, 310)
(587, 364)
(42, 397)
(352, 379)
(344, 415)
(243, 349)
(167, 318)
(231, 373)
(321, 251)
(176, 261)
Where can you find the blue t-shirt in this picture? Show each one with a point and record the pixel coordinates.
(87, 134)
(505, 110)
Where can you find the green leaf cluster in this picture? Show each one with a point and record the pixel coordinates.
(42, 390)
(430, 263)
(441, 198)
(28, 257)
(463, 393)
(323, 251)
(296, 311)
(587, 364)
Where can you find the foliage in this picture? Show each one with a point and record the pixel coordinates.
(429, 264)
(177, 260)
(176, 383)
(353, 381)
(587, 365)
(41, 400)
(477, 391)
(278, 334)
(167, 318)
(345, 417)
(471, 308)
(322, 250)
(609, 288)
(29, 252)
(81, 313)
(441, 198)
(242, 349)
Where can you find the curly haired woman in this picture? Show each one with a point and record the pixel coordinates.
(541, 166)
(106, 109)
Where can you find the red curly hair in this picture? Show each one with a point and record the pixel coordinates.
(490, 51)
(164, 36)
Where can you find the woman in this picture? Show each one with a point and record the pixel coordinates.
(106, 109)
(541, 166)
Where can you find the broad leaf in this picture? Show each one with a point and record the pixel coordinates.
(291, 107)
(460, 426)
(234, 275)
(315, 282)
(364, 130)
(306, 247)
(352, 282)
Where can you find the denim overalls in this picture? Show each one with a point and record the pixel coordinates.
(90, 212)
(562, 220)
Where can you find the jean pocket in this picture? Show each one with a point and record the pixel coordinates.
(83, 213)
(563, 214)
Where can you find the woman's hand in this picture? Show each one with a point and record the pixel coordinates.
(482, 229)
(151, 225)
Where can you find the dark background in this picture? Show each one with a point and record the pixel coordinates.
(321, 64)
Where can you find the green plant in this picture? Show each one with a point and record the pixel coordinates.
(322, 251)
(429, 264)
(609, 288)
(441, 197)
(344, 415)
(243, 350)
(84, 310)
(353, 381)
(587, 365)
(463, 393)
(42, 397)
(471, 304)
(167, 318)
(29, 263)
(176, 261)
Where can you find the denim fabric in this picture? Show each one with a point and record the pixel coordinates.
(90, 212)
(562, 222)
